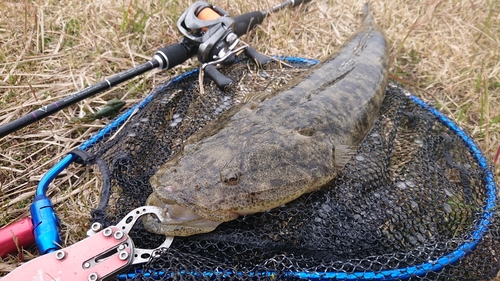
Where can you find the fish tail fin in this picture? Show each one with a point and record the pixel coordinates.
(367, 15)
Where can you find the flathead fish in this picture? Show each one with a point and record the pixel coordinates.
(262, 155)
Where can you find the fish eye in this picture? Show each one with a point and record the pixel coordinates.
(230, 176)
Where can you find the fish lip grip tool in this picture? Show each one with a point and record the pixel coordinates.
(104, 253)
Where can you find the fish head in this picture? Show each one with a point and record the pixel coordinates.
(214, 181)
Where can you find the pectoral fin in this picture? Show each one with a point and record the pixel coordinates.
(343, 154)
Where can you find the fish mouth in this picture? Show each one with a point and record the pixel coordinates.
(175, 213)
(179, 220)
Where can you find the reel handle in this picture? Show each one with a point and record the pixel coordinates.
(221, 80)
(259, 58)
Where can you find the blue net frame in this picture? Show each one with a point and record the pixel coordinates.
(422, 269)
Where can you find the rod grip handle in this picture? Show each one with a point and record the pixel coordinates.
(172, 55)
(247, 22)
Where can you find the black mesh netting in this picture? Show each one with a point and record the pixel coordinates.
(406, 203)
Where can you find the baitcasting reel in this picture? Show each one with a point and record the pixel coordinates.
(212, 29)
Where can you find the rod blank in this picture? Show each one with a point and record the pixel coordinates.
(54, 107)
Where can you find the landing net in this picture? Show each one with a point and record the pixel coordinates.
(416, 201)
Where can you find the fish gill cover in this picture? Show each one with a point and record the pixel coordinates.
(411, 203)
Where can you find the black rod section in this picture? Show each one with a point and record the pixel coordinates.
(249, 21)
(54, 107)
(293, 3)
(166, 58)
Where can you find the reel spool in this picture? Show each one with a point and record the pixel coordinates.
(210, 27)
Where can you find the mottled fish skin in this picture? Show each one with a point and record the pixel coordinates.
(265, 154)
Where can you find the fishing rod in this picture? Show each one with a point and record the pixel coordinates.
(208, 31)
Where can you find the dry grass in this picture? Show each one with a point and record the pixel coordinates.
(447, 52)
